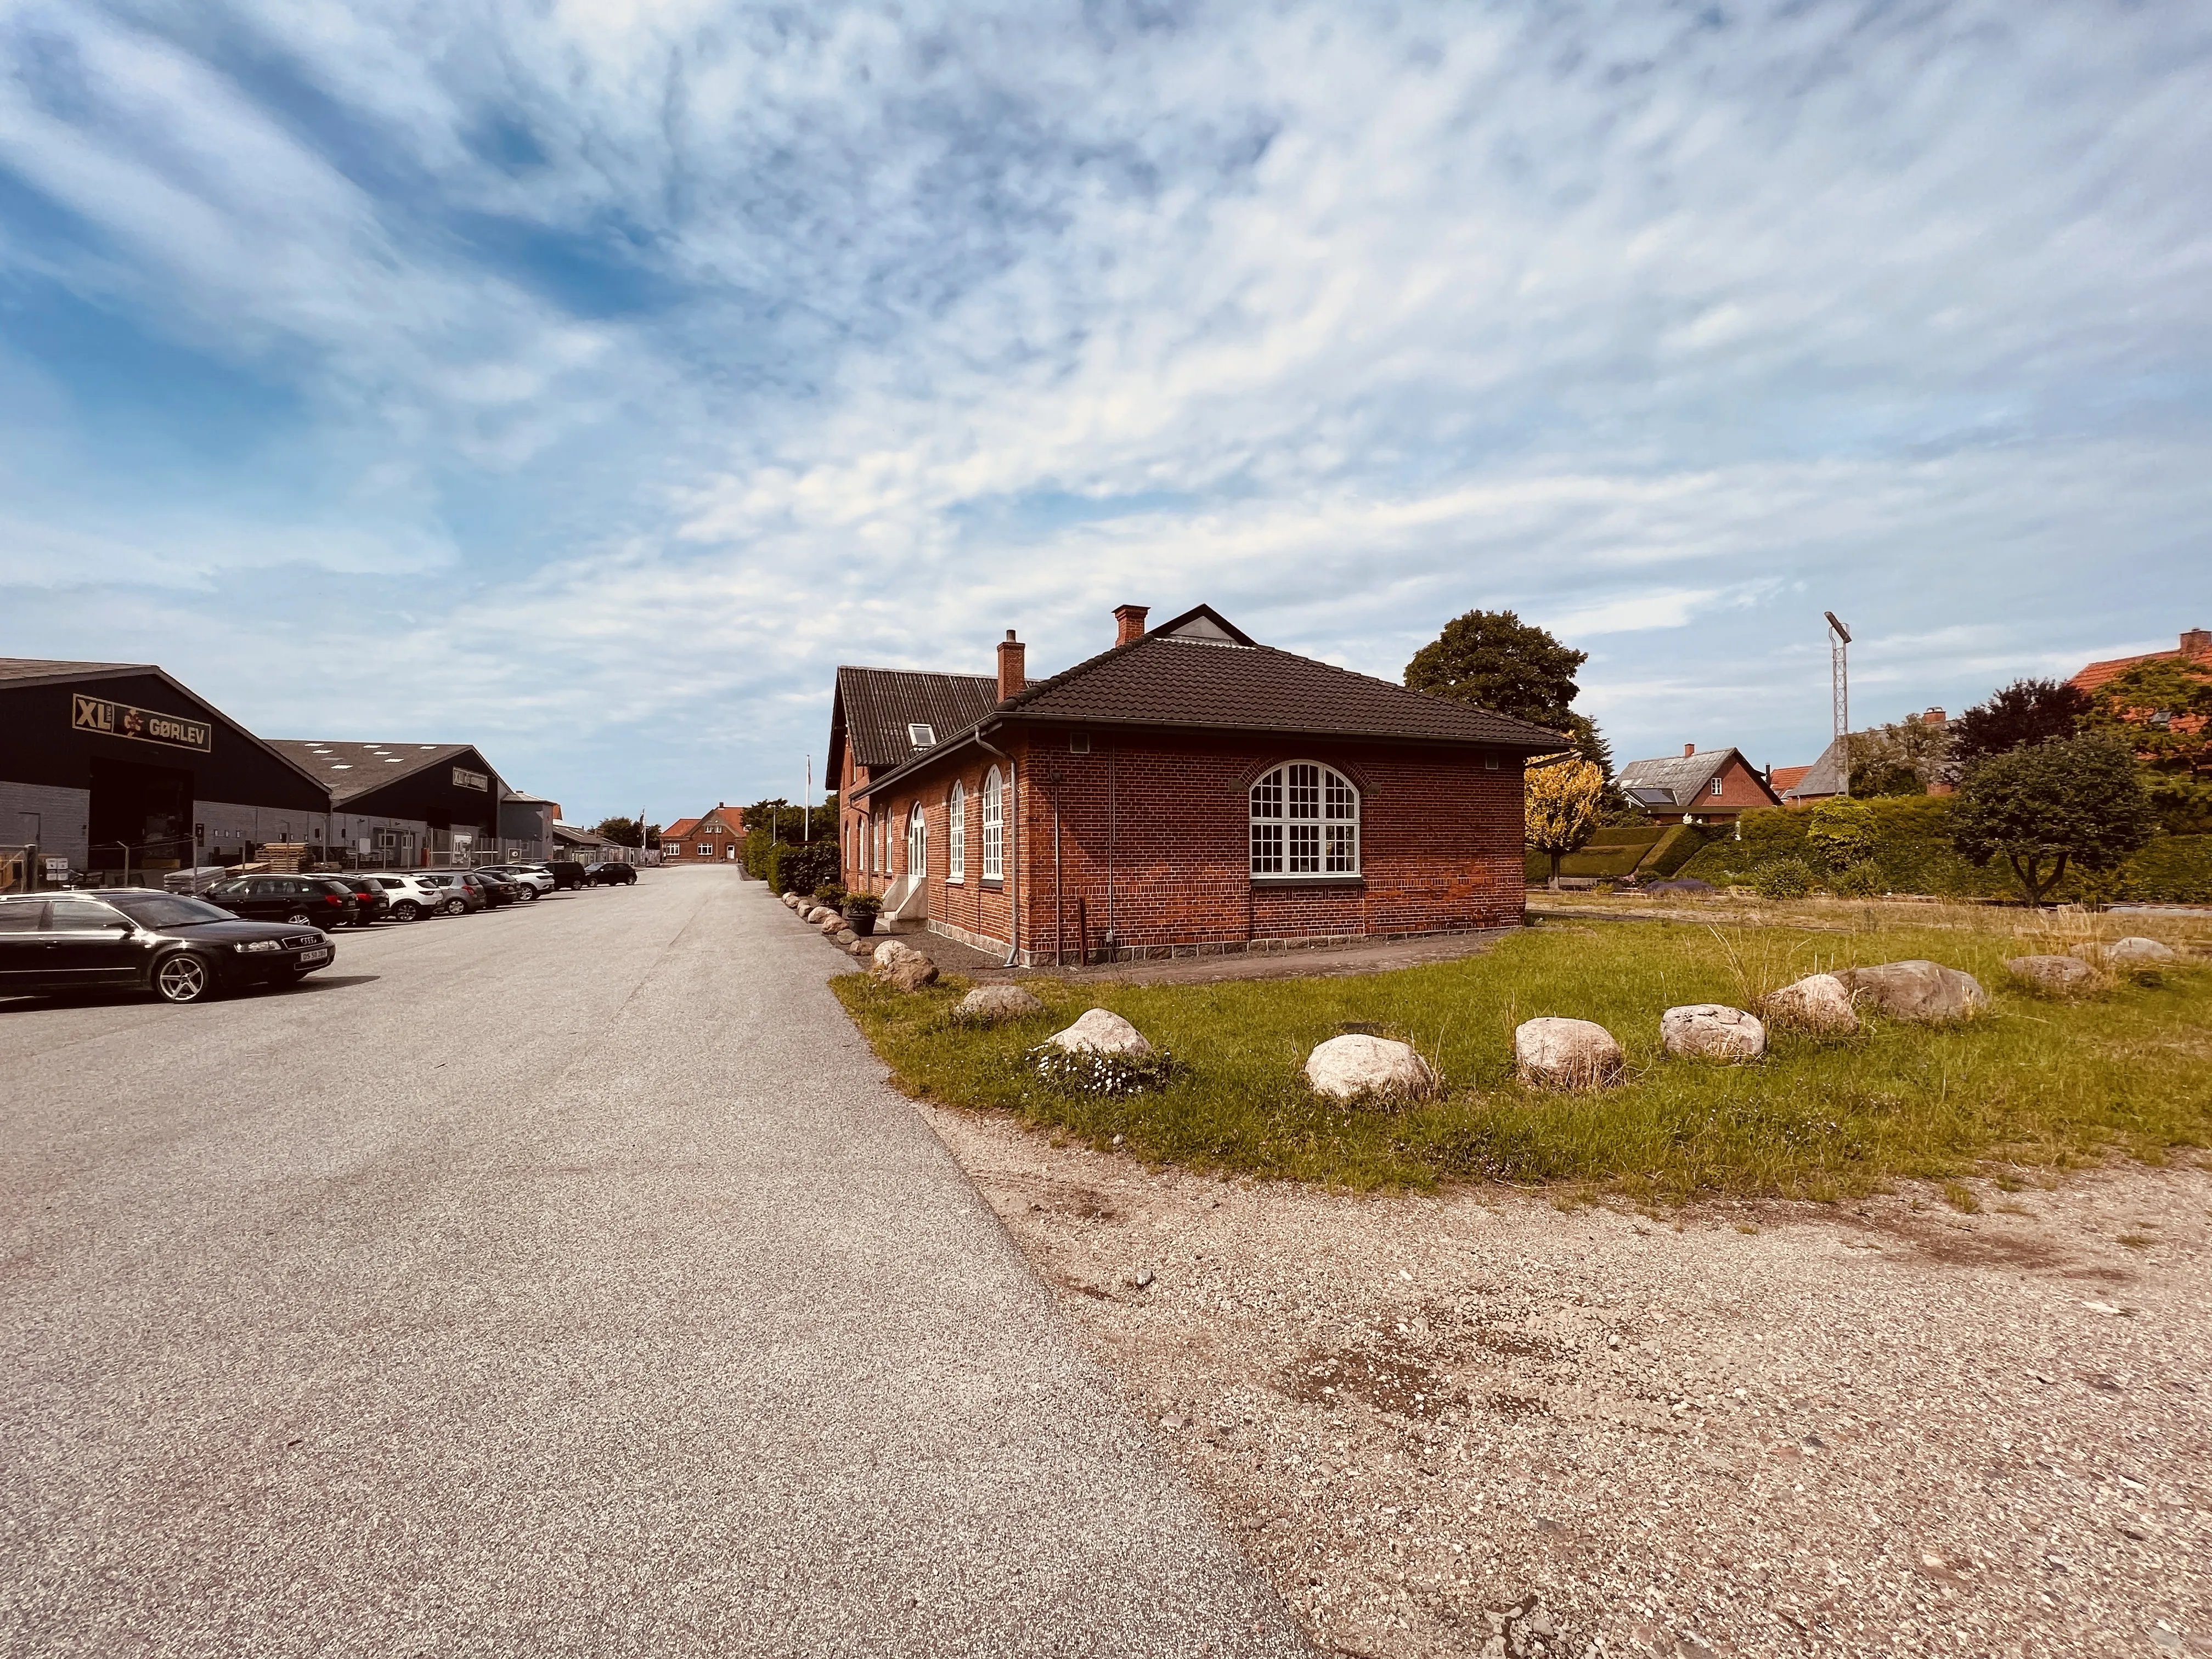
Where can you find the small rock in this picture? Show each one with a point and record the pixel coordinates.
(988, 1004)
(2129, 952)
(2059, 975)
(1712, 1031)
(1355, 1067)
(1101, 1031)
(829, 924)
(902, 967)
(1926, 991)
(847, 936)
(1820, 1003)
(1142, 1278)
(1566, 1053)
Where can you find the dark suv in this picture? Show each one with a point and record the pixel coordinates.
(613, 873)
(567, 873)
(183, 950)
(303, 901)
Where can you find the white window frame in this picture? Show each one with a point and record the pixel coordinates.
(994, 826)
(1716, 788)
(1304, 824)
(956, 833)
(705, 851)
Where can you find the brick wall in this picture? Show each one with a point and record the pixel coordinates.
(1153, 844)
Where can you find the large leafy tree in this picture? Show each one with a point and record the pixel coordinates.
(2161, 709)
(2026, 711)
(624, 832)
(2044, 807)
(1494, 658)
(1564, 803)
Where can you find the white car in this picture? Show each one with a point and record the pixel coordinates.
(412, 898)
(535, 876)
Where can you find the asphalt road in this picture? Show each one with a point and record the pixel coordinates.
(563, 1280)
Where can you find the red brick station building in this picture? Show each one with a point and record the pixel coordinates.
(1188, 792)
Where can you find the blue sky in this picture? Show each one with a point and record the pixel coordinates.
(585, 380)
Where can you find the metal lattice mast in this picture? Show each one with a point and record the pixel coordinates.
(1839, 688)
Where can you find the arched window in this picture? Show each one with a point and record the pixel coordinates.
(956, 834)
(1305, 821)
(994, 826)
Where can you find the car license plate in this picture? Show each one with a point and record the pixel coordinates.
(323, 955)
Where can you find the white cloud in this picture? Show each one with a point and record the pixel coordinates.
(913, 325)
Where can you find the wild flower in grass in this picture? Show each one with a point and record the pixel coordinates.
(1083, 1072)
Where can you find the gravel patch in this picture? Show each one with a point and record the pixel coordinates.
(1475, 1424)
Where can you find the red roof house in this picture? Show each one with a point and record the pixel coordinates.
(1189, 791)
(714, 837)
(1698, 786)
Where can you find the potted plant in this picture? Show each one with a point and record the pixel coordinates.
(860, 910)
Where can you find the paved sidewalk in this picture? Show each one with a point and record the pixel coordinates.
(563, 1280)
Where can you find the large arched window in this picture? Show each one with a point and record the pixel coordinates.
(994, 826)
(956, 834)
(1305, 821)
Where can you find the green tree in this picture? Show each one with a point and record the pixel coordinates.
(623, 832)
(1564, 803)
(1899, 759)
(2161, 708)
(1494, 658)
(2043, 806)
(2026, 711)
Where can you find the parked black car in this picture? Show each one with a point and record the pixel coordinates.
(515, 890)
(463, 891)
(567, 873)
(183, 950)
(372, 902)
(497, 889)
(303, 901)
(611, 875)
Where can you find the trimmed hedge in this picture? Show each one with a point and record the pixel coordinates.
(1913, 849)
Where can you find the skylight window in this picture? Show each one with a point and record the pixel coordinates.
(921, 736)
(343, 766)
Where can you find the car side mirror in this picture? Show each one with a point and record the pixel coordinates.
(127, 926)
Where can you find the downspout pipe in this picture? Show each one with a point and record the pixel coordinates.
(1013, 860)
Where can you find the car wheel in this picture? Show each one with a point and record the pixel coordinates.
(407, 911)
(183, 977)
(297, 919)
(456, 906)
(530, 894)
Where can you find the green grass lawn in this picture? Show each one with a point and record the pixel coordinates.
(2035, 1082)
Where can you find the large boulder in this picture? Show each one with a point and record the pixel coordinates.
(2128, 953)
(1566, 1053)
(1924, 992)
(1712, 1031)
(829, 923)
(902, 967)
(987, 1005)
(2060, 976)
(1355, 1067)
(1101, 1031)
(1819, 1003)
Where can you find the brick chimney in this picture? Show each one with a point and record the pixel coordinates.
(1935, 717)
(2196, 642)
(1688, 749)
(1128, 624)
(1013, 660)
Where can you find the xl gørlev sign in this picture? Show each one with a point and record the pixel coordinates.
(120, 719)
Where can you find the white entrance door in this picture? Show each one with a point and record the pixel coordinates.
(917, 844)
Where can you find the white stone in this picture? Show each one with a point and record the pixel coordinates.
(2127, 952)
(1817, 1002)
(1712, 1031)
(829, 922)
(1566, 1053)
(1101, 1031)
(1926, 991)
(1351, 1066)
(2060, 975)
(902, 966)
(988, 1004)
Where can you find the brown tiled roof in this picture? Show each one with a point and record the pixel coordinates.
(43, 668)
(1786, 776)
(1164, 680)
(875, 707)
(1198, 672)
(2098, 674)
(678, 829)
